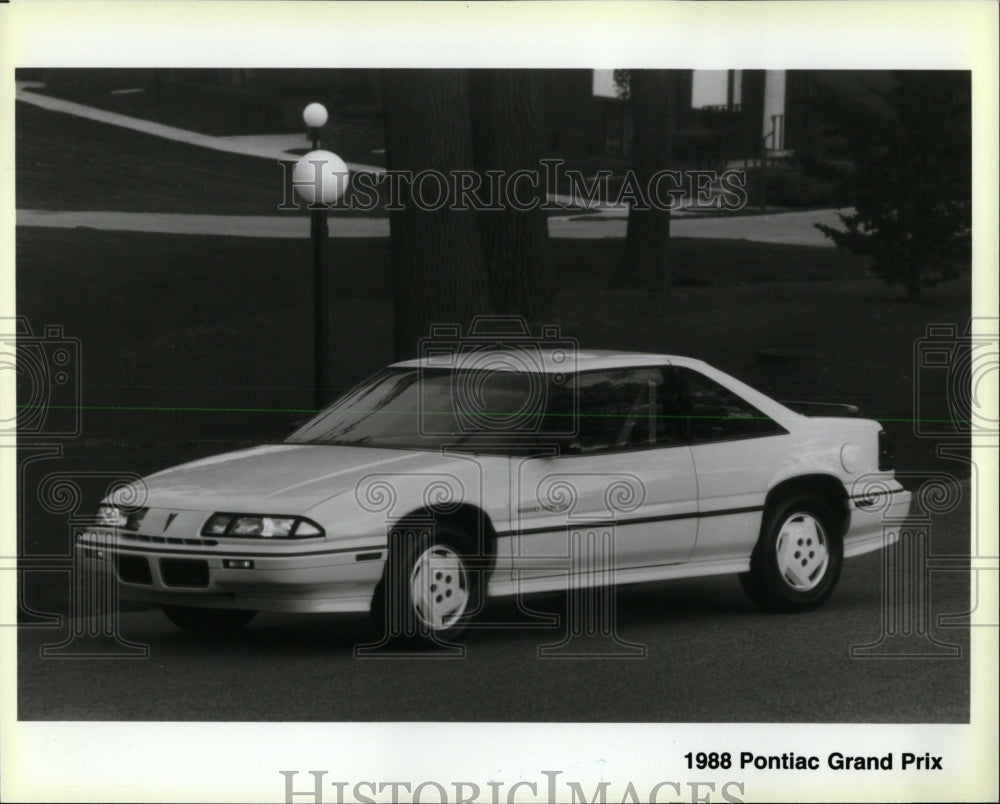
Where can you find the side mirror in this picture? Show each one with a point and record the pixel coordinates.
(580, 444)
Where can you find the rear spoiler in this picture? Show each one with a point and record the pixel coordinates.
(821, 408)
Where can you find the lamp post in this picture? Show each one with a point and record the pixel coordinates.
(320, 178)
(315, 117)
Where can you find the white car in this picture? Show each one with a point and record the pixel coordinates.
(438, 483)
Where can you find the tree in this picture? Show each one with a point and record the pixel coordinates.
(652, 93)
(910, 180)
(438, 264)
(452, 262)
(507, 110)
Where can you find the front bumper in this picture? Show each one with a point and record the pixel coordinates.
(875, 521)
(297, 576)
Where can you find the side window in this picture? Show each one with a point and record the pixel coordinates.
(715, 413)
(621, 409)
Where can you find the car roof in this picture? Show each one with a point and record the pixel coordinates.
(551, 360)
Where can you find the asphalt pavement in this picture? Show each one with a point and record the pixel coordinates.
(708, 657)
(683, 651)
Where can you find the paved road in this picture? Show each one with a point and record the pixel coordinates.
(709, 657)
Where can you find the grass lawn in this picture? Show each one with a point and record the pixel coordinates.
(70, 163)
(151, 95)
(185, 100)
(216, 322)
(65, 162)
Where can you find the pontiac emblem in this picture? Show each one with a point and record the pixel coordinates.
(170, 518)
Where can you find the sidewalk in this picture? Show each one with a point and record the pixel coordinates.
(794, 228)
(275, 147)
(291, 225)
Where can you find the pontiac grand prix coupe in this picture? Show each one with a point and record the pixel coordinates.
(436, 484)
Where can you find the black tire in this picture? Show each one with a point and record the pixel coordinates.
(796, 562)
(441, 564)
(208, 621)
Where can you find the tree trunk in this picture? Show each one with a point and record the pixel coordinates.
(506, 114)
(646, 264)
(438, 269)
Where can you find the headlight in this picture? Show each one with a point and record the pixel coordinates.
(264, 526)
(111, 516)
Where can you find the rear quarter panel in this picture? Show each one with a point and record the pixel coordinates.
(735, 477)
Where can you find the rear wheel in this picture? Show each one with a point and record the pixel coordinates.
(797, 560)
(208, 621)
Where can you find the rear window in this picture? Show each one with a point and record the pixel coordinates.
(715, 413)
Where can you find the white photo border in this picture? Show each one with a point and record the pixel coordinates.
(64, 761)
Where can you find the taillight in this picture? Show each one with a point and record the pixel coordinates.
(886, 460)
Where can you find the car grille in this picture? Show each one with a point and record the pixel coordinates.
(134, 569)
(187, 572)
(142, 537)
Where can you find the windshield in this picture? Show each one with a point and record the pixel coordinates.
(421, 408)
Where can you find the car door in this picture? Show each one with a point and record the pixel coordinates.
(736, 449)
(620, 495)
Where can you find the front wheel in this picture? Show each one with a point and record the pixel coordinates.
(430, 590)
(797, 560)
(208, 621)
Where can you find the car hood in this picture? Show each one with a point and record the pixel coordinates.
(274, 478)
